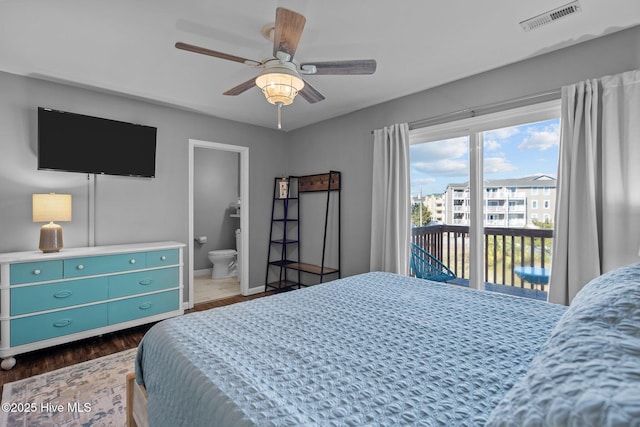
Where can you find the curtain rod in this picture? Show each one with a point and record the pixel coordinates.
(485, 109)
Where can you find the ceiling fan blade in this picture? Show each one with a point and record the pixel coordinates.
(288, 30)
(221, 55)
(242, 87)
(310, 94)
(361, 66)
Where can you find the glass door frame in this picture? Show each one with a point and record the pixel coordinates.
(473, 128)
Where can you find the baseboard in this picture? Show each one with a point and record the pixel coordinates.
(203, 272)
(256, 290)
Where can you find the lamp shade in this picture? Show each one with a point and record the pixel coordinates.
(51, 207)
(280, 84)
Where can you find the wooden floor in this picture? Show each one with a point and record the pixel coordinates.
(49, 359)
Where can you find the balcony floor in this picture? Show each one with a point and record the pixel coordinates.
(503, 289)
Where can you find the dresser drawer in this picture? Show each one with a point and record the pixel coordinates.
(51, 325)
(139, 282)
(39, 271)
(88, 266)
(49, 296)
(162, 258)
(143, 306)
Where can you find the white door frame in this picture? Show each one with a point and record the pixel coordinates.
(244, 210)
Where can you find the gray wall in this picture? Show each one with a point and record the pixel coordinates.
(215, 186)
(345, 143)
(127, 209)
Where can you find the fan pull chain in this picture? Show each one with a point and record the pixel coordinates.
(279, 115)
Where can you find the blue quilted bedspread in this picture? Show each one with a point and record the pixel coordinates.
(373, 349)
(588, 372)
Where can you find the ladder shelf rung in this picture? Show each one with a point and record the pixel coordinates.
(281, 262)
(282, 284)
(311, 268)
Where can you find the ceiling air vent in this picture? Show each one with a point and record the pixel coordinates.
(550, 16)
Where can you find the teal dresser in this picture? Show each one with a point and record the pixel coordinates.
(54, 298)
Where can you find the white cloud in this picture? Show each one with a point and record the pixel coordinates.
(439, 150)
(497, 164)
(541, 139)
(422, 181)
(501, 133)
(440, 158)
(491, 145)
(444, 167)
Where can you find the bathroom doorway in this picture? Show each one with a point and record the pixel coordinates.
(218, 220)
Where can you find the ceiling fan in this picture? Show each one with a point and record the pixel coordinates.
(280, 76)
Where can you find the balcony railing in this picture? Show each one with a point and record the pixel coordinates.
(504, 249)
(505, 222)
(505, 208)
(505, 195)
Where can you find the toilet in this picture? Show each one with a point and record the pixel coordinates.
(226, 261)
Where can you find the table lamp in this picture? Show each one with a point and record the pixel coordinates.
(48, 208)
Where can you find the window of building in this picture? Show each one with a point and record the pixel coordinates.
(534, 191)
(546, 191)
(534, 204)
(547, 204)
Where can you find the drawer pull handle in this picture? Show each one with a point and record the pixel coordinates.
(145, 282)
(80, 267)
(132, 261)
(62, 323)
(62, 294)
(163, 258)
(145, 306)
(36, 271)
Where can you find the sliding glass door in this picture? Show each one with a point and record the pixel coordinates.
(483, 194)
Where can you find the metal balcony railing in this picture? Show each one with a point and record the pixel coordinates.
(504, 249)
(505, 195)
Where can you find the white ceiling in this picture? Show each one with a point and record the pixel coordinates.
(127, 47)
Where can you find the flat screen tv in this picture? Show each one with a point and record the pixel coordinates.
(77, 143)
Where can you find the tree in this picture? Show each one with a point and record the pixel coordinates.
(542, 224)
(416, 209)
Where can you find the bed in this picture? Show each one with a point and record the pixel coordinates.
(374, 349)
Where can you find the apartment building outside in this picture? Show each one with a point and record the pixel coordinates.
(515, 202)
(433, 202)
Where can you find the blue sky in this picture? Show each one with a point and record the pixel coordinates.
(512, 152)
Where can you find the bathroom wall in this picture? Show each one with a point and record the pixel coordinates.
(215, 186)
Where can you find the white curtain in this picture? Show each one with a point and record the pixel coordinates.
(390, 206)
(598, 202)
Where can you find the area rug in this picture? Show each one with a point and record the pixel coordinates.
(91, 393)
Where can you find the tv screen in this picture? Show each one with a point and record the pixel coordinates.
(77, 143)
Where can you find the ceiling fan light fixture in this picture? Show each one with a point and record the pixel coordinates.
(280, 84)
